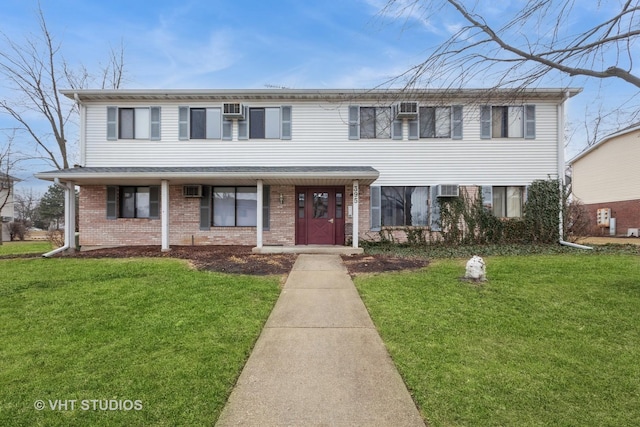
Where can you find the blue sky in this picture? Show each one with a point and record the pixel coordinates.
(258, 44)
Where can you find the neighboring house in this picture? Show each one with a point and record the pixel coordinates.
(606, 179)
(281, 167)
(6, 205)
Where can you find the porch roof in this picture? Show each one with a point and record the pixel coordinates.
(215, 175)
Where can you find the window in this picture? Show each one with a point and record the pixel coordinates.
(202, 123)
(264, 123)
(133, 123)
(235, 206)
(133, 202)
(399, 206)
(508, 121)
(507, 201)
(375, 122)
(435, 122)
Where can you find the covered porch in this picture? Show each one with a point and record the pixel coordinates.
(337, 188)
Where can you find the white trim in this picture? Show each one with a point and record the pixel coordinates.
(356, 203)
(259, 219)
(164, 214)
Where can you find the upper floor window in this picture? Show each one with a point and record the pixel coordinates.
(264, 123)
(437, 122)
(202, 123)
(508, 121)
(133, 123)
(371, 123)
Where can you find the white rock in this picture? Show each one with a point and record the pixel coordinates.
(476, 269)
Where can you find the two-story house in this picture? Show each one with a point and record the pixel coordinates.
(287, 167)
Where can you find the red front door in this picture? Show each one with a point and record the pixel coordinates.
(320, 216)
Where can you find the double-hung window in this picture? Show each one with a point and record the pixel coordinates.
(508, 121)
(399, 206)
(371, 123)
(233, 207)
(133, 202)
(202, 123)
(133, 123)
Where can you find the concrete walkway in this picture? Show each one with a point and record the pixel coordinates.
(319, 360)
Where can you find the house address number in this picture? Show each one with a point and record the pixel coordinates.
(356, 193)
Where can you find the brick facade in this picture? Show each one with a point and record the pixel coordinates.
(626, 213)
(184, 224)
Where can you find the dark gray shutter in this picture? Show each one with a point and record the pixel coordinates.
(286, 122)
(376, 216)
(414, 128)
(112, 202)
(530, 121)
(396, 129)
(266, 199)
(354, 122)
(243, 125)
(183, 123)
(485, 122)
(205, 208)
(435, 209)
(487, 197)
(456, 131)
(154, 202)
(112, 123)
(227, 129)
(155, 123)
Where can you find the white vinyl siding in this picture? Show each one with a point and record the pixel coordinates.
(320, 136)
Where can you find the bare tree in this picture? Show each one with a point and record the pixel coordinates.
(35, 70)
(537, 43)
(26, 203)
(7, 164)
(525, 47)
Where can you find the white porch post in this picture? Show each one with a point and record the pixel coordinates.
(70, 211)
(259, 219)
(164, 214)
(356, 202)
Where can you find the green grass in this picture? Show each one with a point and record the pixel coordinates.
(150, 330)
(548, 340)
(20, 248)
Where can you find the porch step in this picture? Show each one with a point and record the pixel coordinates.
(308, 249)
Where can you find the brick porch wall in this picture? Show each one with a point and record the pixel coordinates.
(184, 223)
(626, 213)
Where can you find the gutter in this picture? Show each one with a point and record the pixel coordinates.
(67, 201)
(563, 242)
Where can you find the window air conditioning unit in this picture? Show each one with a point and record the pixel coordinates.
(233, 110)
(407, 110)
(447, 190)
(192, 191)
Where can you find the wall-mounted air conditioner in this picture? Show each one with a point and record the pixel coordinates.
(192, 191)
(406, 110)
(447, 190)
(233, 110)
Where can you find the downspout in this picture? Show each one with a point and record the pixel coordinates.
(67, 202)
(561, 173)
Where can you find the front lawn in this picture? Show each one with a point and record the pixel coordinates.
(27, 247)
(123, 342)
(548, 340)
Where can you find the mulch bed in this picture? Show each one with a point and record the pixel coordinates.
(240, 259)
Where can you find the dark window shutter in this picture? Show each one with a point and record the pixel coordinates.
(435, 209)
(183, 123)
(376, 217)
(154, 202)
(155, 123)
(266, 199)
(286, 122)
(205, 208)
(396, 129)
(485, 122)
(227, 129)
(530, 121)
(456, 131)
(243, 125)
(414, 129)
(354, 122)
(112, 123)
(112, 202)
